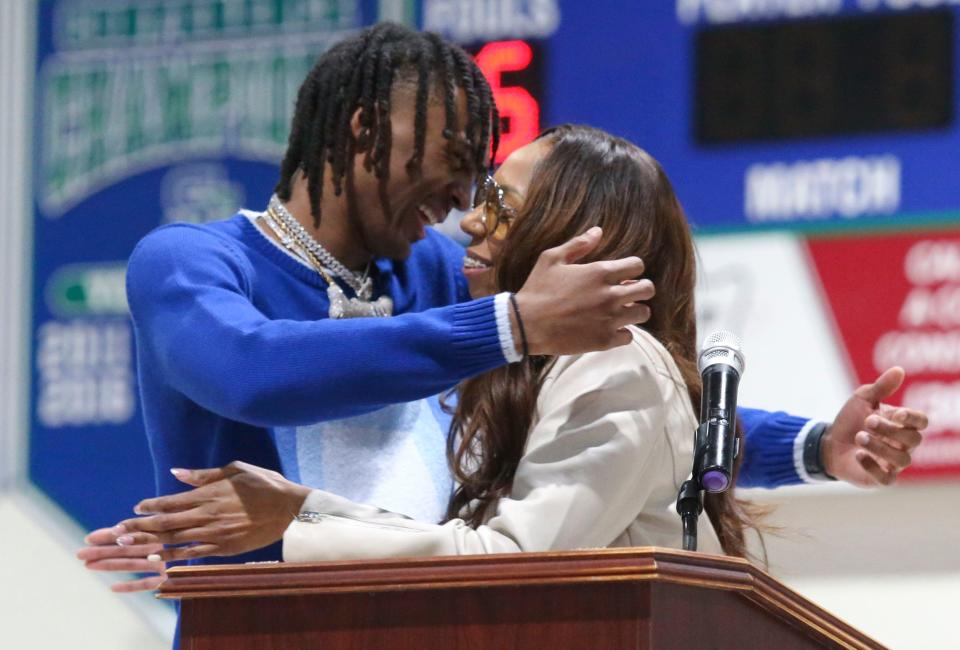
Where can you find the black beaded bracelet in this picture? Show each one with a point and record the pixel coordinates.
(523, 333)
(812, 453)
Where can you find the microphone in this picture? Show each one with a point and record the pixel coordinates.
(721, 365)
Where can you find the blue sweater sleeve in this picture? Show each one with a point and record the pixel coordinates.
(768, 459)
(189, 290)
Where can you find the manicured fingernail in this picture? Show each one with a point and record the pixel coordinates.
(176, 471)
(119, 529)
(861, 455)
(594, 231)
(137, 510)
(153, 557)
(863, 438)
(873, 421)
(125, 540)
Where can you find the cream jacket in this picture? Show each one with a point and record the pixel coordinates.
(611, 442)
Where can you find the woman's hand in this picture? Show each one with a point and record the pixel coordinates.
(103, 554)
(233, 509)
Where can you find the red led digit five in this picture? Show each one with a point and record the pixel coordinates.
(519, 110)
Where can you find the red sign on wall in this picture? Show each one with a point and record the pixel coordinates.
(896, 302)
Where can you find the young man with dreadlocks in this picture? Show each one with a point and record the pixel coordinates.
(247, 339)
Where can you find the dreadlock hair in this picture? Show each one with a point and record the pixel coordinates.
(361, 72)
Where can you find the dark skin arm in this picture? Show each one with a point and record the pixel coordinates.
(231, 510)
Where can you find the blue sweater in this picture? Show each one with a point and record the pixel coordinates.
(238, 361)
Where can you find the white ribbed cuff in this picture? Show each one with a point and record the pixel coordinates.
(501, 308)
(798, 444)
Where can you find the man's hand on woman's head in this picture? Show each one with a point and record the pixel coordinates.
(571, 308)
(870, 443)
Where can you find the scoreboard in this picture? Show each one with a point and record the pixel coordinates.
(796, 115)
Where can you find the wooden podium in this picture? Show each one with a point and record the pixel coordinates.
(609, 599)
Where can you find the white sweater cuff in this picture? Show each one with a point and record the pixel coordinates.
(501, 306)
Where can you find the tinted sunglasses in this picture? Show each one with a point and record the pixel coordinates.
(497, 215)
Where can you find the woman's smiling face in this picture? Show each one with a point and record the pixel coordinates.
(513, 177)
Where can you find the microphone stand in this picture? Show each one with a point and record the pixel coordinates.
(690, 498)
(689, 506)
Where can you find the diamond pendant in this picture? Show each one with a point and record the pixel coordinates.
(343, 307)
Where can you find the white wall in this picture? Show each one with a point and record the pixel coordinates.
(56, 601)
(886, 561)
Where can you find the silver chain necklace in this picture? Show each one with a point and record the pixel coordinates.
(340, 305)
(361, 283)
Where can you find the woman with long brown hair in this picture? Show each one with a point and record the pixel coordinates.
(580, 177)
(562, 452)
(549, 453)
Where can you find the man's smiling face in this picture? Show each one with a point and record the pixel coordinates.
(446, 175)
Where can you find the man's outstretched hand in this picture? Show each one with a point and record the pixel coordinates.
(870, 443)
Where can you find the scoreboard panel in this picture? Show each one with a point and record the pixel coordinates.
(841, 116)
(862, 74)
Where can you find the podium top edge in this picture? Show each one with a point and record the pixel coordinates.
(467, 561)
(516, 570)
